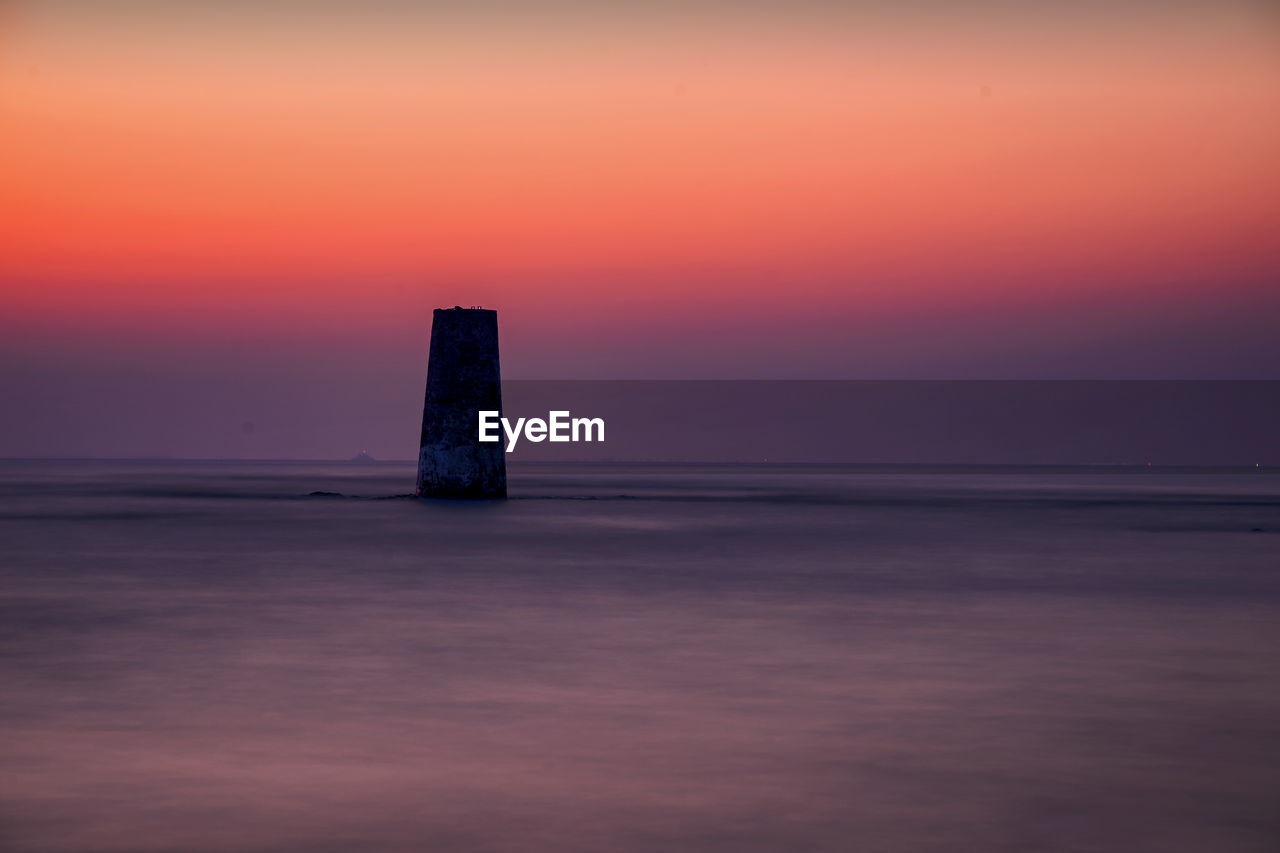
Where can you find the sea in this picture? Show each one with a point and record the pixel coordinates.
(299, 656)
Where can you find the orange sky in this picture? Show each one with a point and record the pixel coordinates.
(213, 171)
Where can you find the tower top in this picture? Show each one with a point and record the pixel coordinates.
(479, 308)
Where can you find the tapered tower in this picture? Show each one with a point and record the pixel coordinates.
(463, 378)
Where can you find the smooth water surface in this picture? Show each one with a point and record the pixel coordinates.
(208, 657)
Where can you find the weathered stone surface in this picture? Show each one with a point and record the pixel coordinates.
(463, 378)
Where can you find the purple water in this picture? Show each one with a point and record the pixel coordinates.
(204, 657)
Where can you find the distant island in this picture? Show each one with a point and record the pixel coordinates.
(363, 457)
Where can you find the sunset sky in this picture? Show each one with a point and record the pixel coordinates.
(251, 202)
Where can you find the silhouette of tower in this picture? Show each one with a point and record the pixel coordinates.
(463, 378)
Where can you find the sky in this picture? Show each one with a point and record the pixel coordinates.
(255, 203)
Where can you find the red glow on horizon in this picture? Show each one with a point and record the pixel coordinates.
(152, 180)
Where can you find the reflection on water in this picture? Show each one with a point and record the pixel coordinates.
(200, 657)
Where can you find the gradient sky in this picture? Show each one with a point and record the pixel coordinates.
(247, 200)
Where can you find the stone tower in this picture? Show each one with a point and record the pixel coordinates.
(462, 379)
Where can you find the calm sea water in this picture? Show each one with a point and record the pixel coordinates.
(207, 657)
